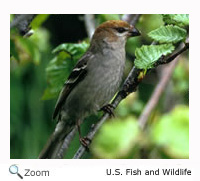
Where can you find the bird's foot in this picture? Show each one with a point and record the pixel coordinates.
(108, 109)
(85, 141)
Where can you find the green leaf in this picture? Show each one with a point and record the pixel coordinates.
(168, 34)
(115, 139)
(13, 50)
(60, 67)
(57, 72)
(171, 132)
(177, 19)
(74, 50)
(38, 20)
(146, 56)
(41, 39)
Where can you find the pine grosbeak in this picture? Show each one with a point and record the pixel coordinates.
(93, 81)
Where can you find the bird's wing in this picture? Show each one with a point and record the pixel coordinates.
(78, 74)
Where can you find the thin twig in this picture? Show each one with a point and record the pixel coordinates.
(130, 85)
(131, 18)
(66, 143)
(163, 60)
(166, 74)
(89, 24)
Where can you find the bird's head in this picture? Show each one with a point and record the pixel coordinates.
(114, 31)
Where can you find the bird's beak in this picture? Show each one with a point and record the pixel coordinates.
(134, 32)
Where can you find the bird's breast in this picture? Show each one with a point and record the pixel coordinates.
(104, 75)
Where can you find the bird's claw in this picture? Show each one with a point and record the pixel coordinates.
(108, 109)
(85, 141)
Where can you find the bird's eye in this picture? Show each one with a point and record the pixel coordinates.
(120, 29)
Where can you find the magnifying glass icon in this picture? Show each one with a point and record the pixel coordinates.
(14, 170)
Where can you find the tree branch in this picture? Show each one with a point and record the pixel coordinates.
(166, 74)
(131, 18)
(130, 85)
(180, 50)
(89, 24)
(66, 143)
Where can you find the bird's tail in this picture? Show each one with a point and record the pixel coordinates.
(51, 149)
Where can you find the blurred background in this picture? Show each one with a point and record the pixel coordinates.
(39, 66)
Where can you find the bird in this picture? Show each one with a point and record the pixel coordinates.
(92, 83)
